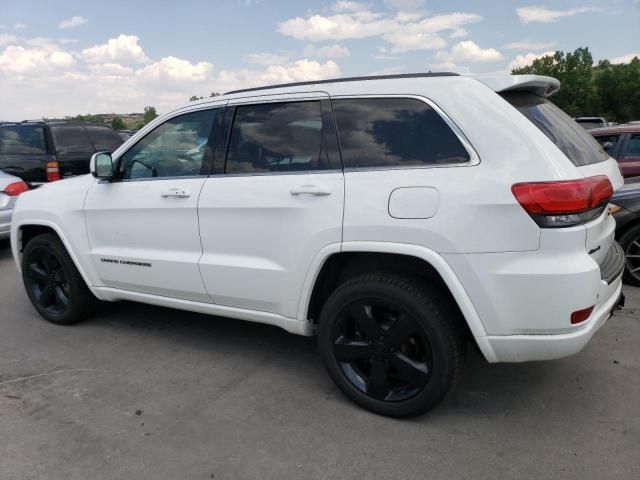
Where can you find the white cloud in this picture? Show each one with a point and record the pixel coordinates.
(403, 31)
(110, 70)
(546, 15)
(625, 58)
(18, 60)
(527, 45)
(406, 5)
(469, 51)
(123, 48)
(449, 66)
(328, 51)
(176, 70)
(6, 38)
(527, 59)
(19, 26)
(343, 6)
(265, 58)
(66, 41)
(73, 22)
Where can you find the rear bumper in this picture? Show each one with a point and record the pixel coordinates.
(524, 348)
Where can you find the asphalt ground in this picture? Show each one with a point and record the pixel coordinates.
(143, 392)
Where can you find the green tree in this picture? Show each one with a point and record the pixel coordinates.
(118, 124)
(149, 114)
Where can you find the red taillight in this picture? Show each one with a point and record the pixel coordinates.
(561, 203)
(16, 188)
(581, 315)
(53, 171)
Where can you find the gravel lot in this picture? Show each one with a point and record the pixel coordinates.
(150, 393)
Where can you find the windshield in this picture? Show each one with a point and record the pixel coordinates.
(579, 147)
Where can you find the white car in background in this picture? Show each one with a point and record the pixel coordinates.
(10, 188)
(396, 217)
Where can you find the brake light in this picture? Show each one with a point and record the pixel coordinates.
(581, 315)
(564, 203)
(53, 171)
(16, 188)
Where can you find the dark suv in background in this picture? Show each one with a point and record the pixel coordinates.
(44, 151)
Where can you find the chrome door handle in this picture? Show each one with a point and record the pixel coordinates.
(176, 192)
(315, 190)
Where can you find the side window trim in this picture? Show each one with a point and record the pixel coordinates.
(329, 133)
(205, 161)
(474, 158)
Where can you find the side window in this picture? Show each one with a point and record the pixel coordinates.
(382, 132)
(176, 148)
(633, 147)
(71, 139)
(277, 137)
(103, 138)
(608, 142)
(22, 140)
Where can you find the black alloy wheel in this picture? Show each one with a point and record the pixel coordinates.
(382, 350)
(630, 243)
(52, 281)
(47, 281)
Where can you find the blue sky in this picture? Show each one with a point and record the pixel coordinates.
(63, 58)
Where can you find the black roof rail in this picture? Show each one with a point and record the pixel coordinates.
(347, 79)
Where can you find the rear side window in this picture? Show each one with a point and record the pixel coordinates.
(633, 147)
(578, 145)
(103, 138)
(70, 139)
(22, 140)
(277, 137)
(386, 132)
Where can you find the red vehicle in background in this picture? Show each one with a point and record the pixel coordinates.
(622, 142)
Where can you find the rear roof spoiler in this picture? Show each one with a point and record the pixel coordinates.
(536, 84)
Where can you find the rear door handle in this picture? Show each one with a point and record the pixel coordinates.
(315, 190)
(176, 193)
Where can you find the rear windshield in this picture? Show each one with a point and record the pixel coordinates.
(103, 138)
(580, 147)
(22, 140)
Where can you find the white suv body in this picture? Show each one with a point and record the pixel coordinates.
(255, 242)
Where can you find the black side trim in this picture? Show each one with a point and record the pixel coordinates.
(347, 79)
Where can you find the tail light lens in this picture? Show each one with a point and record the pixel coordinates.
(581, 315)
(53, 171)
(564, 203)
(16, 188)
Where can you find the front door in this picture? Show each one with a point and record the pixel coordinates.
(143, 227)
(277, 204)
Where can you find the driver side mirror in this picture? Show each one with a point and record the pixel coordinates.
(101, 165)
(607, 146)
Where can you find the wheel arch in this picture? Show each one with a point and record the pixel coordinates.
(335, 267)
(28, 229)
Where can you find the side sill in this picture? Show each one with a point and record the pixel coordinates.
(289, 324)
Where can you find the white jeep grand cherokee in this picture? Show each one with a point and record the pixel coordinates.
(395, 217)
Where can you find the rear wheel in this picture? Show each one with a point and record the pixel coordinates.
(390, 344)
(630, 243)
(52, 281)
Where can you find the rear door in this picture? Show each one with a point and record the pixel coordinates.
(277, 203)
(73, 149)
(629, 157)
(24, 151)
(583, 151)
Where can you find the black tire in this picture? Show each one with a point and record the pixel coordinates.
(419, 371)
(52, 281)
(630, 243)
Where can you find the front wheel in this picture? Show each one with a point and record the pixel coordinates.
(52, 281)
(390, 343)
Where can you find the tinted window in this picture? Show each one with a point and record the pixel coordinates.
(580, 147)
(382, 132)
(71, 139)
(103, 138)
(608, 142)
(177, 148)
(277, 137)
(22, 140)
(633, 147)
